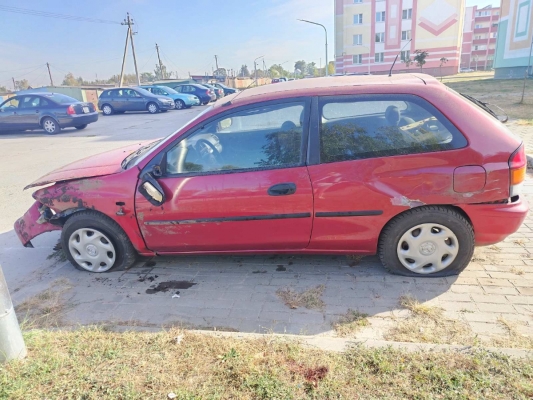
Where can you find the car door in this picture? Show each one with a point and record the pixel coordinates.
(9, 113)
(118, 100)
(236, 183)
(371, 157)
(28, 112)
(134, 101)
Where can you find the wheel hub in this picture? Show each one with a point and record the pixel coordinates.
(92, 250)
(428, 248)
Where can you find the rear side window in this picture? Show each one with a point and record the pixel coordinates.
(383, 126)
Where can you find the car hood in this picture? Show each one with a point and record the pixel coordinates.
(161, 97)
(98, 165)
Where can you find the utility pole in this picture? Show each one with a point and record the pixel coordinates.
(14, 86)
(133, 51)
(216, 61)
(129, 21)
(160, 63)
(121, 81)
(50, 74)
(11, 341)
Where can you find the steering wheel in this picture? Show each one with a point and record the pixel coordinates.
(203, 147)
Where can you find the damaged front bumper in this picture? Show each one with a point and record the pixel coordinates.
(34, 222)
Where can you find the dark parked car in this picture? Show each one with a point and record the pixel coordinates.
(218, 92)
(120, 100)
(410, 170)
(49, 111)
(204, 94)
(227, 90)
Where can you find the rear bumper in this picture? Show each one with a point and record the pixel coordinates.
(494, 222)
(77, 120)
(31, 225)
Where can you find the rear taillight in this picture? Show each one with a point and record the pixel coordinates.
(517, 170)
(70, 110)
(207, 91)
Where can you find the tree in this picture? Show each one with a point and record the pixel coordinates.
(277, 70)
(443, 61)
(161, 72)
(244, 71)
(311, 69)
(23, 84)
(409, 62)
(331, 68)
(70, 80)
(3, 89)
(147, 77)
(220, 72)
(420, 58)
(300, 65)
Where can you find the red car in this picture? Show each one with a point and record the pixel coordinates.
(403, 166)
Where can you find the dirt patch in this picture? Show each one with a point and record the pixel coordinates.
(58, 255)
(350, 323)
(169, 285)
(310, 298)
(45, 309)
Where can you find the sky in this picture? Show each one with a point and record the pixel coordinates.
(189, 33)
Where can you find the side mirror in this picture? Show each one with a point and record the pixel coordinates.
(152, 190)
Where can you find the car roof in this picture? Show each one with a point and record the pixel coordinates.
(330, 85)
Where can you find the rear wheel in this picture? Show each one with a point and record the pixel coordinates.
(431, 241)
(152, 108)
(50, 126)
(95, 243)
(107, 109)
(80, 127)
(180, 104)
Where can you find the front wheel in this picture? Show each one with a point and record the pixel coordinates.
(152, 108)
(180, 104)
(427, 241)
(80, 127)
(95, 243)
(50, 126)
(107, 110)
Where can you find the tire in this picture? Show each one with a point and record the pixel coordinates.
(163, 111)
(80, 127)
(50, 126)
(430, 241)
(110, 247)
(107, 110)
(152, 108)
(205, 103)
(180, 104)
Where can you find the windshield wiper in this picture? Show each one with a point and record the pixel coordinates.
(136, 153)
(481, 104)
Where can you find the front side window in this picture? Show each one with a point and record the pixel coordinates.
(382, 126)
(263, 137)
(11, 104)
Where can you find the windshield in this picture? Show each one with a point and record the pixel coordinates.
(138, 155)
(169, 90)
(143, 91)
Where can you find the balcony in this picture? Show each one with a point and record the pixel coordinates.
(481, 30)
(482, 19)
(480, 41)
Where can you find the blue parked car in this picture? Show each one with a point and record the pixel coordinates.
(181, 100)
(204, 94)
(120, 100)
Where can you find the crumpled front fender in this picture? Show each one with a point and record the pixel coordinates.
(31, 225)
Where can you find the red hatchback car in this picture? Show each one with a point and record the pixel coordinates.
(401, 166)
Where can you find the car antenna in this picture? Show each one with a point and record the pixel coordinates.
(392, 66)
(228, 103)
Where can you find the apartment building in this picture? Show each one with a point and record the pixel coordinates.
(515, 39)
(479, 37)
(370, 33)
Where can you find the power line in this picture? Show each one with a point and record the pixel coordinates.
(47, 14)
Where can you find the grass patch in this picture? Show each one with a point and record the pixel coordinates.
(351, 322)
(310, 298)
(92, 363)
(45, 309)
(528, 122)
(427, 324)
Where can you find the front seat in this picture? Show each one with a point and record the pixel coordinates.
(394, 117)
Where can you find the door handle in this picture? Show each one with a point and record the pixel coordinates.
(282, 189)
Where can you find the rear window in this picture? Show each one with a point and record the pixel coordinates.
(61, 98)
(381, 126)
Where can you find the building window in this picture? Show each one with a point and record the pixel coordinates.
(490, 57)
(357, 59)
(406, 35)
(496, 13)
(407, 13)
(358, 19)
(380, 37)
(379, 57)
(405, 55)
(494, 34)
(478, 26)
(357, 1)
(495, 25)
(477, 37)
(380, 16)
(357, 40)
